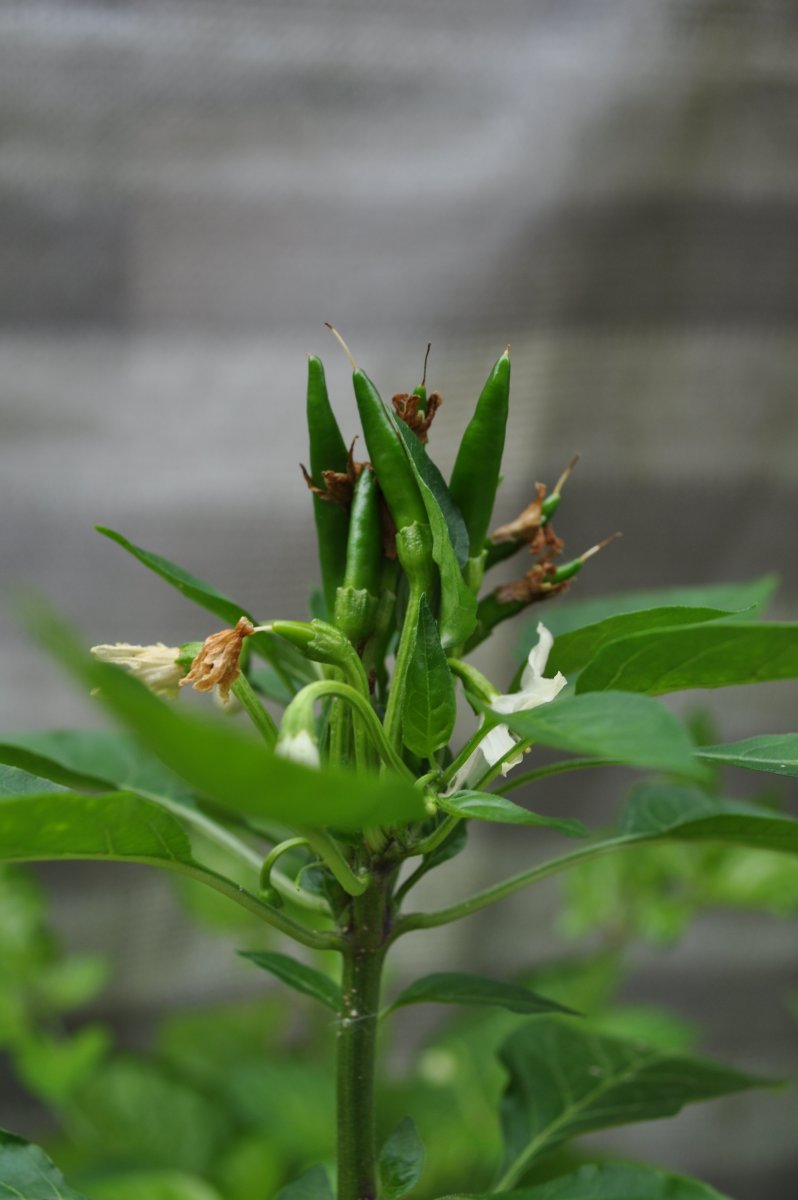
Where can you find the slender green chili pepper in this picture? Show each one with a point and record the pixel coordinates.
(475, 477)
(387, 455)
(328, 452)
(357, 599)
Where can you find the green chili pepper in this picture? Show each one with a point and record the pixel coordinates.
(328, 452)
(388, 457)
(475, 477)
(357, 599)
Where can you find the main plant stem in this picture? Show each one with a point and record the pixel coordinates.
(366, 938)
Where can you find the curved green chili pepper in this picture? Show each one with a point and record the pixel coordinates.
(328, 452)
(475, 477)
(388, 457)
(357, 599)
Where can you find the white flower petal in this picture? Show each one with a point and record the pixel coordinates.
(538, 657)
(299, 747)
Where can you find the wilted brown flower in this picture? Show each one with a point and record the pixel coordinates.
(217, 664)
(407, 410)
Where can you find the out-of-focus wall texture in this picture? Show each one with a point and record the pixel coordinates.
(189, 189)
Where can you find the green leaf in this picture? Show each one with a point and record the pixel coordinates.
(229, 767)
(14, 782)
(67, 825)
(458, 987)
(26, 1173)
(313, 1185)
(661, 811)
(297, 975)
(773, 752)
(614, 726)
(154, 1185)
(429, 708)
(610, 1181)
(202, 593)
(266, 681)
(83, 759)
(488, 806)
(458, 614)
(286, 660)
(752, 595)
(703, 656)
(565, 1080)
(401, 1161)
(572, 651)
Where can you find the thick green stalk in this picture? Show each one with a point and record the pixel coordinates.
(363, 957)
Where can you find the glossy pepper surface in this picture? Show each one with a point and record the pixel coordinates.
(477, 468)
(327, 453)
(357, 599)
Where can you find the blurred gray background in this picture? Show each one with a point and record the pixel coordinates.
(189, 189)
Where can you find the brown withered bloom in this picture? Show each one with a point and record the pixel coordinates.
(217, 664)
(407, 407)
(527, 529)
(534, 586)
(339, 486)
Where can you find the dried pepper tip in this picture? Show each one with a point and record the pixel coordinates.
(552, 502)
(338, 485)
(568, 570)
(417, 412)
(525, 526)
(217, 664)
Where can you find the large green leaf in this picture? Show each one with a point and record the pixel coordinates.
(610, 1181)
(230, 768)
(401, 1161)
(313, 1185)
(458, 612)
(26, 1173)
(661, 811)
(297, 975)
(489, 806)
(290, 665)
(773, 752)
(458, 987)
(429, 708)
(572, 651)
(614, 726)
(67, 825)
(700, 656)
(752, 595)
(565, 1081)
(96, 759)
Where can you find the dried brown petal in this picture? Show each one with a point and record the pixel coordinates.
(217, 664)
(407, 409)
(531, 588)
(526, 525)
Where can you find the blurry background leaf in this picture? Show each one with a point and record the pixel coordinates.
(26, 1173)
(401, 1161)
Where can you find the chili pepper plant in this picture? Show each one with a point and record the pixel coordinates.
(326, 818)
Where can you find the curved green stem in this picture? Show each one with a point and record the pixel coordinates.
(506, 888)
(273, 855)
(262, 720)
(334, 687)
(328, 849)
(428, 844)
